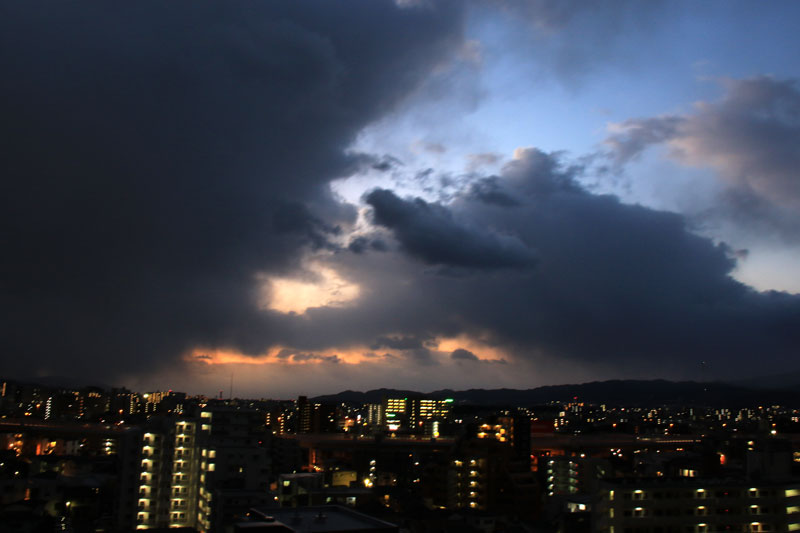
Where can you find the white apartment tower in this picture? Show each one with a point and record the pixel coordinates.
(189, 468)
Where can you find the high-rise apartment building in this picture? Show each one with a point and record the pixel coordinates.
(375, 415)
(171, 476)
(305, 411)
(199, 472)
(696, 505)
(485, 475)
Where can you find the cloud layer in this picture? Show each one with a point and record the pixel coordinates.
(159, 156)
(615, 285)
(616, 288)
(749, 139)
(429, 232)
(164, 163)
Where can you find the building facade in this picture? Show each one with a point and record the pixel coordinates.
(696, 505)
(200, 472)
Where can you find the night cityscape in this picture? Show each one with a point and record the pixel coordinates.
(418, 266)
(91, 459)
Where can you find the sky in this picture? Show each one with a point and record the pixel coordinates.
(311, 196)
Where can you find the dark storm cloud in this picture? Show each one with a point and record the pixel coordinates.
(490, 191)
(398, 342)
(431, 233)
(412, 346)
(361, 244)
(159, 155)
(387, 163)
(303, 357)
(464, 355)
(620, 288)
(362, 162)
(749, 138)
(358, 245)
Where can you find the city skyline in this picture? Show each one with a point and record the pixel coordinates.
(423, 195)
(116, 460)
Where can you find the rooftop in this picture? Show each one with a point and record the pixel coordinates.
(323, 519)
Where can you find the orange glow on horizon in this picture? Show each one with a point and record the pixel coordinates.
(353, 355)
(276, 355)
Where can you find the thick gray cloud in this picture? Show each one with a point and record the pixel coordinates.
(431, 233)
(158, 156)
(414, 347)
(303, 357)
(489, 190)
(464, 355)
(749, 139)
(361, 244)
(620, 288)
(398, 342)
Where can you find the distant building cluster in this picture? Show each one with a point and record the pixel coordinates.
(92, 459)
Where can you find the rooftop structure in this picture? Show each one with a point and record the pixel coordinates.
(316, 519)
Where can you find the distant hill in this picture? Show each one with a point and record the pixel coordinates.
(615, 392)
(786, 381)
(372, 396)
